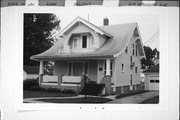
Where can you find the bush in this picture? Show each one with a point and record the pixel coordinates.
(29, 83)
(37, 88)
(53, 90)
(68, 91)
(92, 82)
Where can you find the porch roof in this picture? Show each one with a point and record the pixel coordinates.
(121, 35)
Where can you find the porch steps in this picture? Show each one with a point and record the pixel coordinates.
(93, 89)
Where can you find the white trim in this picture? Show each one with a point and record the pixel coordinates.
(123, 67)
(78, 43)
(63, 84)
(79, 19)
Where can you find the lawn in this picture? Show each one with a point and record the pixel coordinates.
(154, 100)
(35, 94)
(77, 100)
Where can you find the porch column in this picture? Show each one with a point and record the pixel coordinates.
(41, 72)
(108, 67)
(108, 78)
(41, 68)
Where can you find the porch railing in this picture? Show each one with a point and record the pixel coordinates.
(49, 80)
(71, 79)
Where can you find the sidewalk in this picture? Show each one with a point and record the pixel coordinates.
(135, 99)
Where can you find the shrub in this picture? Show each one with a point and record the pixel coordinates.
(53, 90)
(68, 91)
(92, 82)
(29, 83)
(37, 88)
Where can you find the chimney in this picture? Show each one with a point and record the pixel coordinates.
(106, 21)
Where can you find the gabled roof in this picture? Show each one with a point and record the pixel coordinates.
(90, 25)
(121, 35)
(154, 68)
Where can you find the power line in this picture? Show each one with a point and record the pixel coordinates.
(153, 39)
(154, 35)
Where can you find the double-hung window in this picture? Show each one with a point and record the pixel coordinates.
(76, 43)
(84, 41)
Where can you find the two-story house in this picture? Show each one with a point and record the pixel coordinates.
(109, 54)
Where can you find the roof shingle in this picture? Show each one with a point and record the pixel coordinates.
(121, 34)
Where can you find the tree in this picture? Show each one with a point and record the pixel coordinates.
(151, 56)
(38, 29)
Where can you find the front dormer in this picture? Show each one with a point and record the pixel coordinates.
(82, 42)
(82, 36)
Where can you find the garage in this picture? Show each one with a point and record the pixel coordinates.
(153, 82)
(152, 78)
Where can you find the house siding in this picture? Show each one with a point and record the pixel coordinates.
(123, 78)
(100, 72)
(102, 40)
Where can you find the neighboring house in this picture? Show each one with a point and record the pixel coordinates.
(152, 78)
(109, 54)
(30, 72)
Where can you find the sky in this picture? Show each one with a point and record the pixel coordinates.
(148, 24)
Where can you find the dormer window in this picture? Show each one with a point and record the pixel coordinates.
(75, 43)
(84, 41)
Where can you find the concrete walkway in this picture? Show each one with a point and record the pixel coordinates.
(134, 99)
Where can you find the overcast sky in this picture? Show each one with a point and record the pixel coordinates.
(148, 24)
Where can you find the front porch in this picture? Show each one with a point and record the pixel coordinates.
(69, 74)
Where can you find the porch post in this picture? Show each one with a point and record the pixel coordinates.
(41, 68)
(108, 67)
(41, 72)
(108, 78)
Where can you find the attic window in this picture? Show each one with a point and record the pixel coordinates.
(126, 50)
(133, 48)
(84, 41)
(136, 50)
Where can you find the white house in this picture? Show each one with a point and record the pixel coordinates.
(109, 54)
(30, 72)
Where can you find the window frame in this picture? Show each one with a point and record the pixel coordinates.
(122, 67)
(72, 62)
(76, 38)
(126, 50)
(136, 69)
(136, 51)
(82, 45)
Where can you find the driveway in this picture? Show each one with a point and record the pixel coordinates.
(134, 99)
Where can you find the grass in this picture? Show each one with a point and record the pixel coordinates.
(129, 94)
(154, 100)
(77, 100)
(35, 94)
